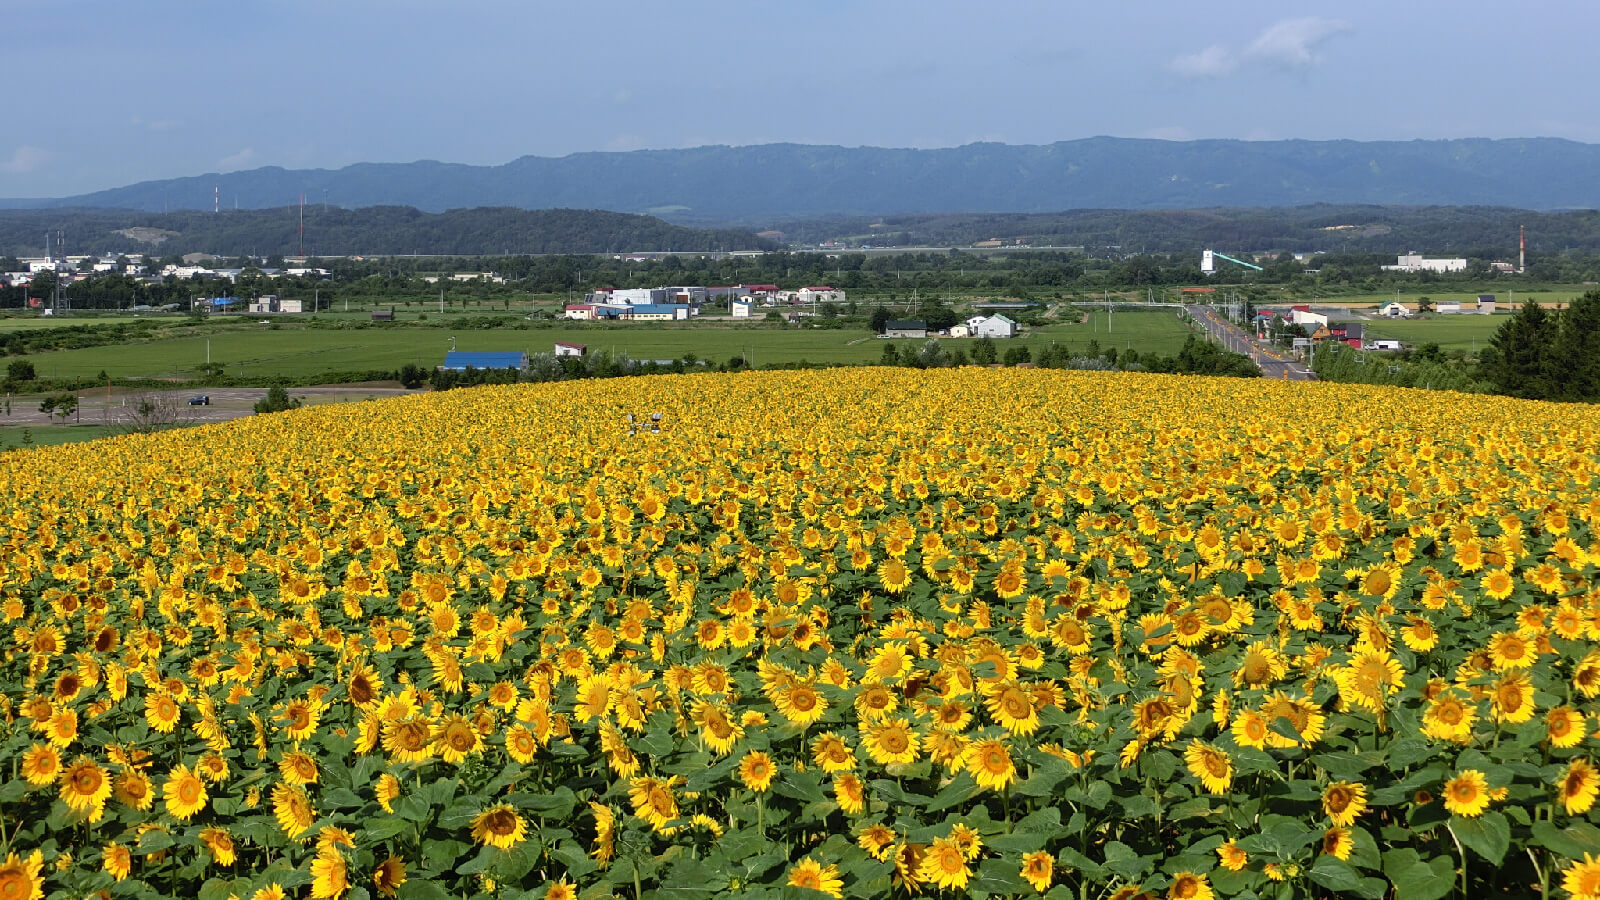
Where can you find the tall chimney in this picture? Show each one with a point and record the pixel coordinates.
(1522, 249)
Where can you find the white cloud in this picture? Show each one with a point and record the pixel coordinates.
(1212, 62)
(1294, 42)
(1290, 43)
(236, 161)
(24, 159)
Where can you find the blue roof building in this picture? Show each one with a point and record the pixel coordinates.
(461, 360)
(657, 311)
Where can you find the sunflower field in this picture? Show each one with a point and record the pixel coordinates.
(885, 633)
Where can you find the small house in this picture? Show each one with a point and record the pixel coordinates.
(1485, 304)
(905, 328)
(564, 348)
(1393, 310)
(1447, 309)
(741, 308)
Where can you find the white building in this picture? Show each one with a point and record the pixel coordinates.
(1384, 345)
(1447, 309)
(995, 326)
(741, 308)
(630, 296)
(1393, 310)
(960, 331)
(819, 294)
(1305, 317)
(1416, 262)
(564, 348)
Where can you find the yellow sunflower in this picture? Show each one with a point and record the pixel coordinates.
(1012, 708)
(1578, 786)
(499, 826)
(1038, 869)
(944, 865)
(1449, 718)
(1565, 727)
(891, 742)
(389, 876)
(292, 808)
(1467, 794)
(814, 876)
(298, 768)
(1581, 879)
(850, 794)
(19, 877)
(330, 874)
(829, 751)
(41, 764)
(756, 770)
(1189, 886)
(85, 787)
(184, 792)
(989, 763)
(117, 860)
(1210, 765)
(1344, 802)
(220, 844)
(1338, 842)
(801, 704)
(653, 801)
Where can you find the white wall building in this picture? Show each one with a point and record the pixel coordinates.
(741, 308)
(1416, 262)
(995, 326)
(1393, 310)
(819, 294)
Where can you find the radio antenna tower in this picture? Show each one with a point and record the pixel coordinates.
(302, 226)
(216, 199)
(1522, 249)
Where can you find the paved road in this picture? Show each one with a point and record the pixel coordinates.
(95, 408)
(1237, 340)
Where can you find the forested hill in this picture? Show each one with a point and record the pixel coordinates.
(745, 185)
(1478, 231)
(377, 230)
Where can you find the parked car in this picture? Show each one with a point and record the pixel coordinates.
(200, 400)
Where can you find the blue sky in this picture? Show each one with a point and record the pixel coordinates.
(104, 94)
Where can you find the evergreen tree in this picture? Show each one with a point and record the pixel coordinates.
(891, 356)
(984, 352)
(1575, 356)
(1518, 359)
(880, 318)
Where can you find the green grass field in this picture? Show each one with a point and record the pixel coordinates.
(1505, 298)
(50, 435)
(294, 351)
(31, 322)
(1449, 332)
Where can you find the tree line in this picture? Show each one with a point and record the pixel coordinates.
(1542, 354)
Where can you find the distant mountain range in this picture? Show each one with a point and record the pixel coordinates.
(756, 184)
(377, 230)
